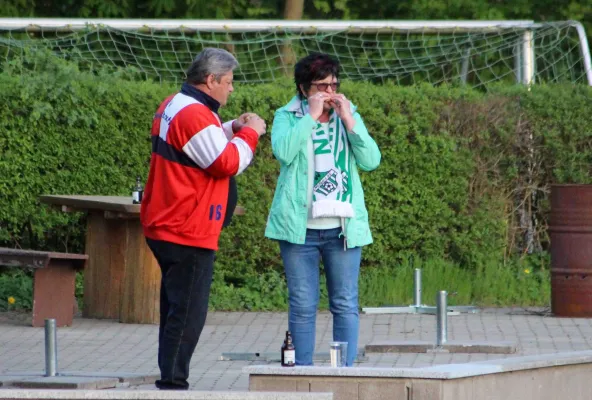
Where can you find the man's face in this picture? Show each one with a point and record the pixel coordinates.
(221, 90)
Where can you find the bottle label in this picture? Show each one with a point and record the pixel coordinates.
(289, 356)
(136, 196)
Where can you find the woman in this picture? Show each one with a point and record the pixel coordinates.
(318, 210)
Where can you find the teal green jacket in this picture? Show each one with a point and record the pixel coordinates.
(289, 210)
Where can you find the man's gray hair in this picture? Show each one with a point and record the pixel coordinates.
(210, 61)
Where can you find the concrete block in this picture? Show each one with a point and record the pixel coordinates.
(125, 378)
(63, 379)
(469, 347)
(276, 384)
(373, 389)
(473, 347)
(38, 394)
(399, 347)
(67, 382)
(423, 389)
(342, 388)
(458, 389)
(7, 380)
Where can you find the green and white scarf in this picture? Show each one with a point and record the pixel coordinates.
(332, 192)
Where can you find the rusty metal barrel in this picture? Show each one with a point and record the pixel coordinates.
(570, 228)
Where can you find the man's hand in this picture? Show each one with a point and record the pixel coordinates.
(341, 105)
(241, 121)
(257, 123)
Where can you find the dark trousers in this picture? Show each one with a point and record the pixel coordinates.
(184, 295)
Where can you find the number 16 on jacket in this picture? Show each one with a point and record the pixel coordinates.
(215, 212)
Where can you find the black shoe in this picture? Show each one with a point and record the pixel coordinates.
(168, 385)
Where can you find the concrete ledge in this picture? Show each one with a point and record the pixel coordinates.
(542, 377)
(275, 356)
(449, 347)
(15, 394)
(399, 347)
(124, 378)
(6, 380)
(67, 382)
(75, 380)
(370, 372)
(446, 371)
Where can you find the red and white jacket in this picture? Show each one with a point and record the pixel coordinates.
(193, 157)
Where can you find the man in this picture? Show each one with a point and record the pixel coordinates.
(186, 201)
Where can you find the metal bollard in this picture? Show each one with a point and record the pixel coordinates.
(417, 287)
(51, 349)
(442, 318)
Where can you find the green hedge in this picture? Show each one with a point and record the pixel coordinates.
(464, 174)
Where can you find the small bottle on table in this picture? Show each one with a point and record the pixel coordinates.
(137, 191)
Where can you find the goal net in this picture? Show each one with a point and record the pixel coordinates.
(475, 53)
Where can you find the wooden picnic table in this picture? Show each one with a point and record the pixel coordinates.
(122, 278)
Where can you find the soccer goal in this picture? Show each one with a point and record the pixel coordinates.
(474, 53)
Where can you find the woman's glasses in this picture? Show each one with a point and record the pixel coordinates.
(324, 86)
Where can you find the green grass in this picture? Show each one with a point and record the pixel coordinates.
(522, 282)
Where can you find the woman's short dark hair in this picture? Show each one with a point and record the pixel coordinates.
(314, 67)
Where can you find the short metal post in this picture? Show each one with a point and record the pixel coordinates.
(51, 350)
(417, 287)
(442, 316)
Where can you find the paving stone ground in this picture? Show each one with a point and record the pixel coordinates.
(92, 345)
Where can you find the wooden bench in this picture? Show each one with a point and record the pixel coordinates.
(53, 282)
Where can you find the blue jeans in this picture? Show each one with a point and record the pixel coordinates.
(342, 267)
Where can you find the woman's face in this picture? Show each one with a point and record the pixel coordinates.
(329, 85)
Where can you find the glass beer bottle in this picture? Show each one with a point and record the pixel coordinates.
(288, 351)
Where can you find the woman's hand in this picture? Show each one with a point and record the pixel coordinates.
(316, 103)
(341, 105)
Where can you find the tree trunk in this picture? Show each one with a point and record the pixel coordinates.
(293, 10)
